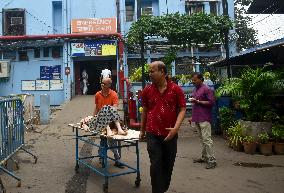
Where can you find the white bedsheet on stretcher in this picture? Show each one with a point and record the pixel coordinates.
(131, 134)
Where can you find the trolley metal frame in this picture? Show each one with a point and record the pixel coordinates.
(104, 149)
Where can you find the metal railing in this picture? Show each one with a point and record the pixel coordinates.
(11, 132)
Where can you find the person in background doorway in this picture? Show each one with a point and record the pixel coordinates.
(107, 97)
(84, 82)
(163, 112)
(203, 101)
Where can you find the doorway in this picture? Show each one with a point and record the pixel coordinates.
(93, 69)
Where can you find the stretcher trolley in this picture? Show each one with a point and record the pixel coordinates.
(131, 139)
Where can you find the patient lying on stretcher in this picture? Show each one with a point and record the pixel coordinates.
(107, 122)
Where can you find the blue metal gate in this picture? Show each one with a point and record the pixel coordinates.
(11, 132)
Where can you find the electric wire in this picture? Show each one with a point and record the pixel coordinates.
(274, 30)
(8, 3)
(41, 21)
(265, 17)
(259, 14)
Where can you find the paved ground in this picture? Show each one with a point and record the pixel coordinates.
(54, 172)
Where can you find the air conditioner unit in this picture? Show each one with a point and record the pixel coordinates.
(16, 20)
(4, 68)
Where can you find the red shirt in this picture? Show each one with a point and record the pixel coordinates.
(162, 108)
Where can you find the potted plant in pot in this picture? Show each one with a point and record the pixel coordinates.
(277, 132)
(235, 138)
(254, 90)
(249, 144)
(265, 146)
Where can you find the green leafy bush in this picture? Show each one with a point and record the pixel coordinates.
(137, 75)
(277, 132)
(236, 134)
(263, 138)
(227, 118)
(248, 139)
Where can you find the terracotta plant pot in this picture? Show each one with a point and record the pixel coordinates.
(265, 149)
(279, 148)
(249, 147)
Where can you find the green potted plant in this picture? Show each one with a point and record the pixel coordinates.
(254, 90)
(227, 120)
(277, 132)
(265, 146)
(249, 144)
(235, 136)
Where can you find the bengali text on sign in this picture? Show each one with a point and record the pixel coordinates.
(94, 25)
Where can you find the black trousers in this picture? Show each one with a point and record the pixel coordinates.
(162, 156)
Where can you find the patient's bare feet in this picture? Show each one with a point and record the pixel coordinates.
(119, 129)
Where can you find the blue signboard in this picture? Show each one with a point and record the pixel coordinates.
(55, 72)
(50, 72)
(94, 48)
(45, 72)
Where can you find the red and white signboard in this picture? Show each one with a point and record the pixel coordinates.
(94, 25)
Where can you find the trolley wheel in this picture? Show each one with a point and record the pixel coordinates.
(77, 168)
(137, 182)
(105, 188)
(19, 184)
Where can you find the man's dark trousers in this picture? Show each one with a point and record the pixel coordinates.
(162, 156)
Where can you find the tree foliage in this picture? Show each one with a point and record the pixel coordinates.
(246, 35)
(180, 29)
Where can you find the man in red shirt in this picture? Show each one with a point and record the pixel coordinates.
(164, 109)
(203, 101)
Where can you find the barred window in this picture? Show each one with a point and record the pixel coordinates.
(23, 55)
(129, 9)
(191, 8)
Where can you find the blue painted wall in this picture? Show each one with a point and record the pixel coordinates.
(48, 17)
(30, 70)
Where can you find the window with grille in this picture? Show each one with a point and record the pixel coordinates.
(37, 53)
(56, 52)
(213, 7)
(10, 55)
(23, 55)
(147, 8)
(191, 8)
(13, 22)
(129, 9)
(46, 52)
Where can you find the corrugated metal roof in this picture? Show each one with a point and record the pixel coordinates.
(268, 52)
